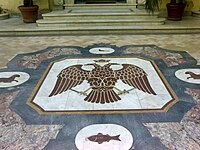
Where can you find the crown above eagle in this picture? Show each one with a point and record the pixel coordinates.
(101, 61)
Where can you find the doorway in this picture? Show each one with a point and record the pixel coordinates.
(100, 1)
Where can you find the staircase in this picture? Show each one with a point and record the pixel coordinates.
(196, 14)
(99, 17)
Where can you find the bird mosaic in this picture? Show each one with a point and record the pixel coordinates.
(10, 79)
(192, 75)
(102, 80)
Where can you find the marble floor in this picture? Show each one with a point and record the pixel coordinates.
(131, 131)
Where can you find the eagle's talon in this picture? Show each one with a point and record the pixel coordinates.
(123, 92)
(83, 93)
(80, 92)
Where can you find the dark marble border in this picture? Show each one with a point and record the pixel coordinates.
(30, 116)
(133, 122)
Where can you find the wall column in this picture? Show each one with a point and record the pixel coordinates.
(131, 2)
(69, 2)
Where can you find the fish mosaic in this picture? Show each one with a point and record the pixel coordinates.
(101, 138)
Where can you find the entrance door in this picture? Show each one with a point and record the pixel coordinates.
(99, 1)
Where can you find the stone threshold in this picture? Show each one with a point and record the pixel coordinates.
(15, 27)
(99, 31)
(4, 16)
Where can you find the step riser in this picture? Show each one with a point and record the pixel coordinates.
(196, 14)
(100, 32)
(97, 17)
(89, 6)
(98, 24)
(85, 8)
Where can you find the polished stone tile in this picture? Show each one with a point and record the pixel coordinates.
(189, 75)
(135, 99)
(178, 131)
(104, 136)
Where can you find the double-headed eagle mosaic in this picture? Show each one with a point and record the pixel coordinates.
(102, 80)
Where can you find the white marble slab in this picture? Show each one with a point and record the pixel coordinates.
(101, 50)
(72, 101)
(6, 79)
(188, 77)
(83, 143)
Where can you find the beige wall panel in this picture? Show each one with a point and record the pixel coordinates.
(12, 5)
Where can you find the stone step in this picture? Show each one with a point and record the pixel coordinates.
(196, 13)
(15, 27)
(4, 16)
(93, 16)
(99, 6)
(99, 17)
(97, 23)
(88, 30)
(100, 14)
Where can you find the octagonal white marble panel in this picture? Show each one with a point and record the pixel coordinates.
(71, 101)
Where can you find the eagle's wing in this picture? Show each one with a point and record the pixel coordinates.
(68, 78)
(134, 76)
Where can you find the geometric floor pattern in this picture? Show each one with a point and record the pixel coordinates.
(104, 96)
(128, 99)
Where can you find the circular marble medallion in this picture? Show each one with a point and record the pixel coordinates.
(9, 79)
(189, 75)
(104, 137)
(101, 50)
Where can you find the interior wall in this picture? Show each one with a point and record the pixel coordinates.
(192, 5)
(12, 5)
(58, 2)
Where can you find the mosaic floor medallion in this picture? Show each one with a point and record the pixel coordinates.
(104, 137)
(102, 95)
(110, 84)
(101, 50)
(9, 79)
(189, 75)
